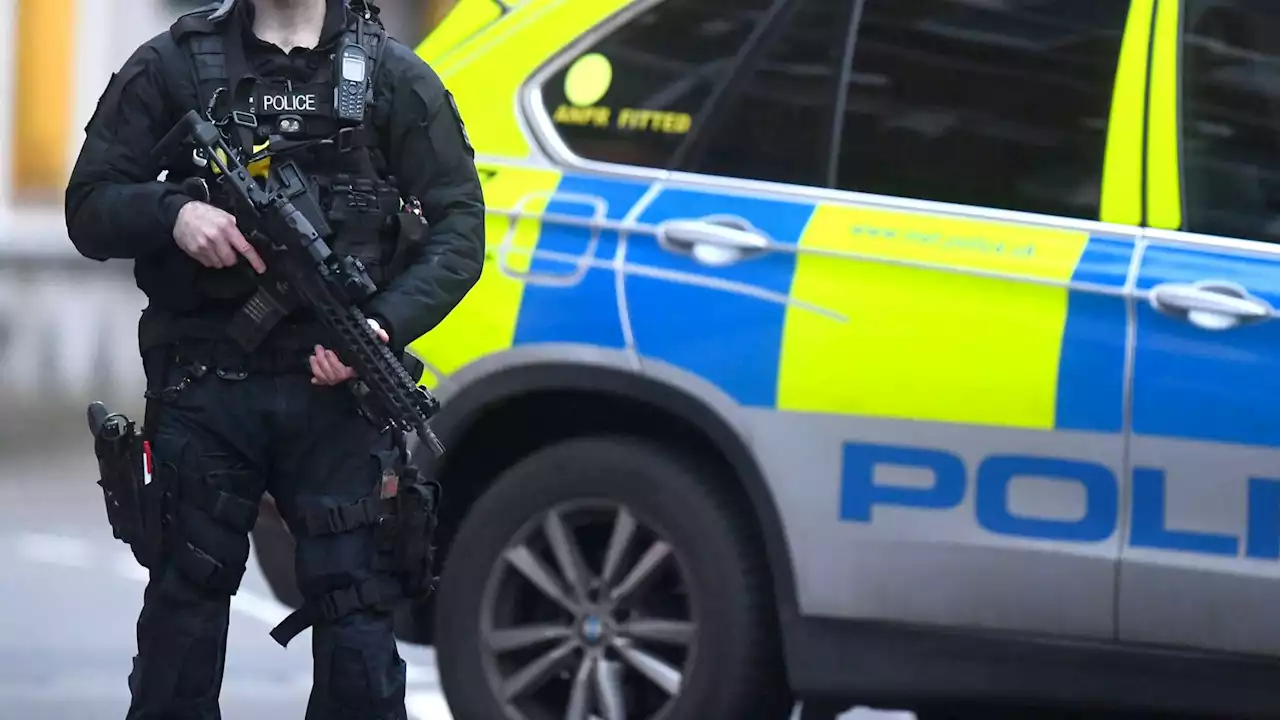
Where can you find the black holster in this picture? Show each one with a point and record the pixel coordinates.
(134, 506)
(404, 542)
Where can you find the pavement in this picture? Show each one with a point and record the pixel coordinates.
(70, 595)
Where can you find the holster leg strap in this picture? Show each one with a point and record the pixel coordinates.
(344, 518)
(379, 594)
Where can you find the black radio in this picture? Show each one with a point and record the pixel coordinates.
(352, 90)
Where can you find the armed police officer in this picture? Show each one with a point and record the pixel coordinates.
(388, 161)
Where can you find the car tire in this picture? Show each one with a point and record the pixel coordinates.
(734, 669)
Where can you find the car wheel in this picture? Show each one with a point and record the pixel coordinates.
(606, 573)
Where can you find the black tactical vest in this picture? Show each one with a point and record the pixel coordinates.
(361, 204)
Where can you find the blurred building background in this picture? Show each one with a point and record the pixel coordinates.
(68, 325)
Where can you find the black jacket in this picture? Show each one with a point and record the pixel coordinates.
(116, 208)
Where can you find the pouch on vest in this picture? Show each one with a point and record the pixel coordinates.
(360, 210)
(412, 233)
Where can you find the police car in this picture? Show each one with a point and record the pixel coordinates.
(907, 353)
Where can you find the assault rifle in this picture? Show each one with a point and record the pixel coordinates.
(302, 270)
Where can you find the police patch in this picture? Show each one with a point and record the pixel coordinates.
(310, 99)
(108, 107)
(289, 102)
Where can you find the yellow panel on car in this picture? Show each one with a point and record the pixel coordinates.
(944, 319)
(463, 22)
(513, 50)
(485, 321)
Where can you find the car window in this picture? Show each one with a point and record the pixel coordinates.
(998, 104)
(1230, 119)
(776, 121)
(632, 97)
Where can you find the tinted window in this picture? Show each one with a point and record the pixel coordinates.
(632, 97)
(776, 120)
(999, 104)
(1230, 116)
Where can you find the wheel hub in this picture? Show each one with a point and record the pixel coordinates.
(593, 629)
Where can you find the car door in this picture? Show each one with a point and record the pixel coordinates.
(934, 388)
(969, 405)
(945, 440)
(1199, 567)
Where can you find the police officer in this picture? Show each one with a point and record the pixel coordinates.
(391, 165)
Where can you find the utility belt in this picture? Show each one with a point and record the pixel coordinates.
(229, 361)
(142, 497)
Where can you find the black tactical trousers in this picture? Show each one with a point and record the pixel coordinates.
(309, 448)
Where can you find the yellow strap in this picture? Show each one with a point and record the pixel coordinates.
(1122, 166)
(1164, 179)
(257, 168)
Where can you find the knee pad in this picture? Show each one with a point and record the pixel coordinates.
(364, 680)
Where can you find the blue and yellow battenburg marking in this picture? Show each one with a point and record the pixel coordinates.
(1037, 342)
(808, 327)
(951, 344)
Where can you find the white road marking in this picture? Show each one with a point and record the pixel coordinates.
(93, 686)
(417, 675)
(427, 706)
(55, 550)
(73, 552)
(267, 611)
(127, 567)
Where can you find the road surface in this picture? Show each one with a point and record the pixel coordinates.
(70, 595)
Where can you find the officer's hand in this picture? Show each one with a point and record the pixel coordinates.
(327, 369)
(211, 237)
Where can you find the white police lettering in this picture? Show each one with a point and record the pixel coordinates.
(289, 103)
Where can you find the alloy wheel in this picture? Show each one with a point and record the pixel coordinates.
(587, 617)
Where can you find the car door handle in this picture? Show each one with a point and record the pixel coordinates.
(1209, 304)
(714, 241)
(594, 223)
